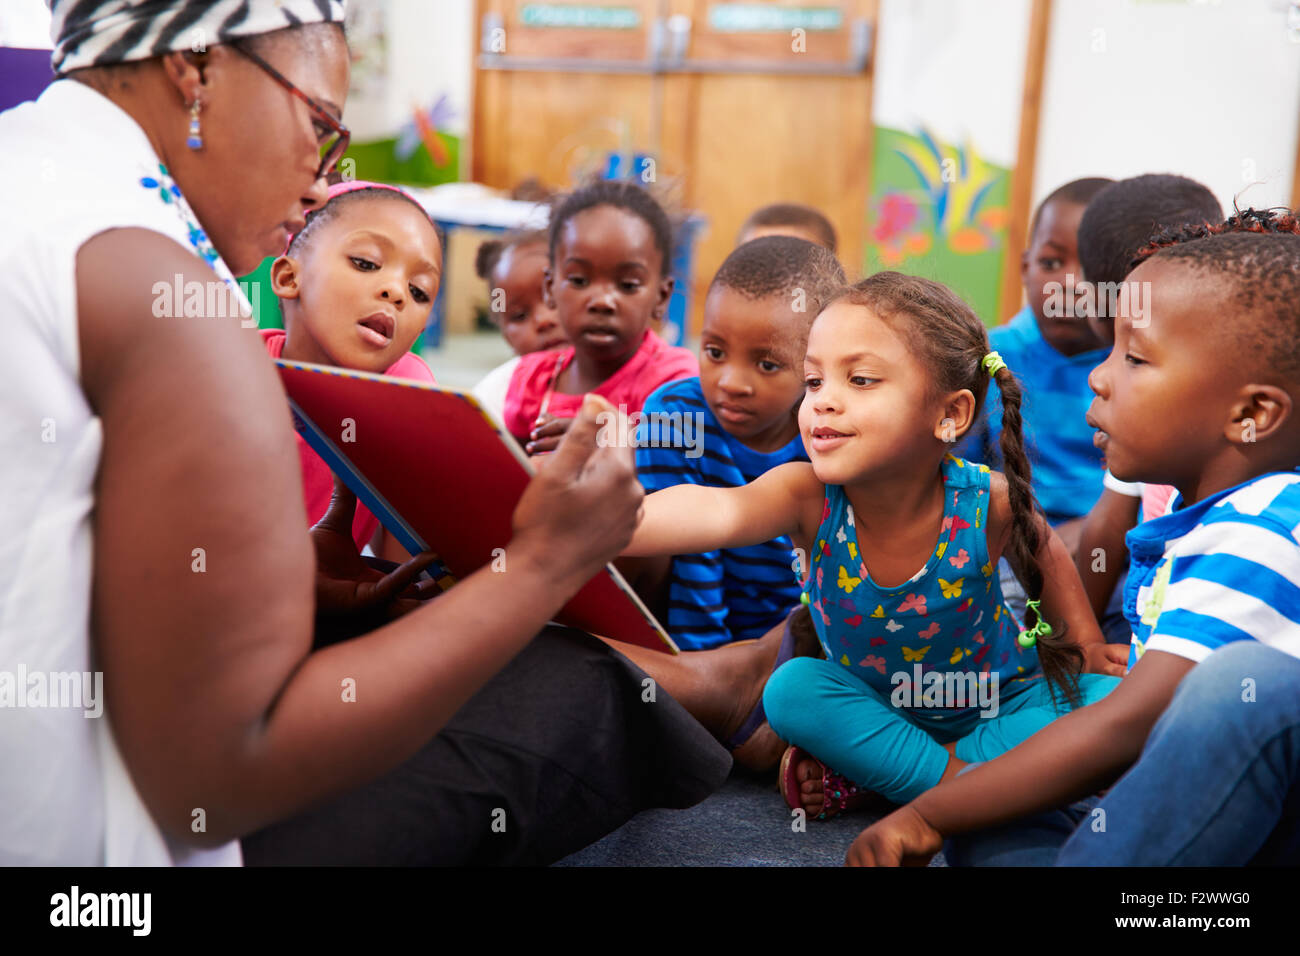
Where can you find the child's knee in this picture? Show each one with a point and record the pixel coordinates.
(788, 698)
(1236, 662)
(1240, 672)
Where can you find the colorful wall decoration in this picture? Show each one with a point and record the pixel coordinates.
(946, 116)
(939, 209)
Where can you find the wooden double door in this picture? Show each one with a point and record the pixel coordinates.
(736, 104)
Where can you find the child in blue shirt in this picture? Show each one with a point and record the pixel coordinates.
(1051, 349)
(743, 415)
(1200, 393)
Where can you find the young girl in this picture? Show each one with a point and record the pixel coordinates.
(1199, 741)
(610, 245)
(896, 369)
(356, 285)
(515, 270)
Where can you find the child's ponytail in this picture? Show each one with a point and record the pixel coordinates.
(1060, 658)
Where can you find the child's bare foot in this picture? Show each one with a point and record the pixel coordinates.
(805, 781)
(808, 775)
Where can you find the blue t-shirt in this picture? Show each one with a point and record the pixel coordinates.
(725, 595)
(1225, 569)
(950, 616)
(1067, 466)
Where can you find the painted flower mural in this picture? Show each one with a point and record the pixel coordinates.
(939, 209)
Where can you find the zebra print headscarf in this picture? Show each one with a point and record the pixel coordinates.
(101, 32)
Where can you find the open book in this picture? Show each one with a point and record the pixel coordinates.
(442, 475)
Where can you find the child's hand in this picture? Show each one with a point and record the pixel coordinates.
(345, 584)
(546, 434)
(1106, 659)
(903, 838)
(580, 510)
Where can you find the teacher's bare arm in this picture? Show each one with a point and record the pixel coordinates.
(216, 699)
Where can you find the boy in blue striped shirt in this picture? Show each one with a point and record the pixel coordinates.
(742, 412)
(1200, 391)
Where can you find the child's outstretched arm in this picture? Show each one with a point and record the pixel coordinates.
(1067, 760)
(1063, 601)
(689, 519)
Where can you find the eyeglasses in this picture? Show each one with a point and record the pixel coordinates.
(333, 145)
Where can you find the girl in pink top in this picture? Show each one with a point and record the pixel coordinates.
(356, 285)
(610, 245)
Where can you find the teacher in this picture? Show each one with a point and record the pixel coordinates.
(153, 526)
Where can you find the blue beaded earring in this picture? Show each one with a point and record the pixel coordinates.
(195, 140)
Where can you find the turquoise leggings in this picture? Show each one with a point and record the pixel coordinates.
(898, 752)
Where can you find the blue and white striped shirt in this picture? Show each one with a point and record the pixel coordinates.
(1225, 569)
(725, 595)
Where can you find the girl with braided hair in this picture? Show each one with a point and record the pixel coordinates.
(897, 368)
(1198, 746)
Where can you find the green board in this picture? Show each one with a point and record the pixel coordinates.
(764, 18)
(571, 16)
(939, 210)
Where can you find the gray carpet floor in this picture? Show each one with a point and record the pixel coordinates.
(746, 823)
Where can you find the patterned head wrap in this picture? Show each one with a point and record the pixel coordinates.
(103, 32)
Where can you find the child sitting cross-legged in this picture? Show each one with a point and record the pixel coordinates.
(1199, 392)
(904, 540)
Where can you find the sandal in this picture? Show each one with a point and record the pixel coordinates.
(839, 794)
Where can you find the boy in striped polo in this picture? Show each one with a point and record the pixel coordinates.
(743, 410)
(1200, 393)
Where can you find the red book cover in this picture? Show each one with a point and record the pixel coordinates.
(441, 475)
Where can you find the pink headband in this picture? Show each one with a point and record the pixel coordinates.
(351, 186)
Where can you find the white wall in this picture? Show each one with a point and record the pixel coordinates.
(25, 23)
(957, 68)
(430, 45)
(1206, 88)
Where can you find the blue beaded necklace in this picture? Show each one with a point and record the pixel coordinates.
(171, 195)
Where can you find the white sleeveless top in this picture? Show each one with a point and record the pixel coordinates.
(71, 166)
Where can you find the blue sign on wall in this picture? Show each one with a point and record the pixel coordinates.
(764, 18)
(575, 16)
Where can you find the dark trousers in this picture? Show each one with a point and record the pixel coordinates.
(556, 751)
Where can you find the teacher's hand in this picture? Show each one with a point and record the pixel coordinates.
(580, 510)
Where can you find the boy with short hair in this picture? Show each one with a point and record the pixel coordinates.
(1050, 348)
(789, 219)
(757, 314)
(1119, 221)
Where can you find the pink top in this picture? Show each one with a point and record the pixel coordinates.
(317, 479)
(650, 366)
(1155, 499)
